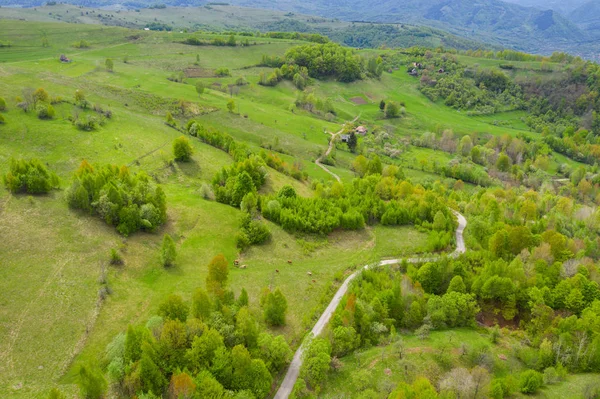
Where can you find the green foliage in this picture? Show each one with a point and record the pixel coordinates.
(275, 308)
(173, 308)
(453, 309)
(130, 202)
(232, 184)
(168, 251)
(216, 280)
(2, 104)
(115, 257)
(200, 88)
(317, 358)
(182, 149)
(326, 60)
(109, 64)
(81, 44)
(231, 106)
(530, 381)
(169, 120)
(45, 111)
(29, 176)
(391, 110)
(56, 394)
(2, 119)
(92, 384)
(253, 232)
(222, 72)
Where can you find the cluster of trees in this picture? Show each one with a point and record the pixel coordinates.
(326, 61)
(39, 101)
(215, 41)
(212, 347)
(297, 74)
(367, 200)
(131, 202)
(309, 101)
(29, 176)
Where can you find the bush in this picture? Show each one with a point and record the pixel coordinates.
(222, 72)
(30, 177)
(182, 149)
(206, 192)
(115, 257)
(530, 381)
(129, 202)
(2, 104)
(45, 111)
(168, 252)
(2, 120)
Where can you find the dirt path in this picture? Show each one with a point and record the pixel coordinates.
(330, 148)
(287, 386)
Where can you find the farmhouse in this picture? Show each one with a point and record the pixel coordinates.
(362, 130)
(345, 138)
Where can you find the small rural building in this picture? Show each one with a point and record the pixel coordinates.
(362, 130)
(63, 58)
(414, 72)
(345, 138)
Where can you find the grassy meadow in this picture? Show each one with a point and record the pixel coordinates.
(54, 261)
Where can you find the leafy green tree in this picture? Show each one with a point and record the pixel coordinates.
(243, 298)
(530, 381)
(182, 149)
(261, 379)
(201, 305)
(168, 251)
(457, 285)
(204, 348)
(275, 308)
(382, 105)
(91, 383)
(275, 351)
(173, 308)
(216, 281)
(231, 106)
(317, 360)
(45, 111)
(151, 378)
(392, 110)
(200, 88)
(503, 163)
(345, 340)
(352, 142)
(29, 176)
(231, 41)
(374, 166)
(109, 64)
(169, 120)
(247, 327)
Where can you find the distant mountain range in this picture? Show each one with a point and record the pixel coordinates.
(542, 26)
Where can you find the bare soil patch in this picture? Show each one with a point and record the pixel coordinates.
(358, 100)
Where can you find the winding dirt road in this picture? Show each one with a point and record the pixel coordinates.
(291, 376)
(330, 148)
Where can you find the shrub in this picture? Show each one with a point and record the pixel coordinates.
(275, 308)
(45, 111)
(2, 120)
(30, 177)
(91, 383)
(222, 72)
(530, 381)
(182, 149)
(168, 252)
(129, 202)
(206, 192)
(115, 257)
(2, 104)
(169, 120)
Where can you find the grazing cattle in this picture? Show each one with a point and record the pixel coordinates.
(236, 262)
(276, 270)
(309, 273)
(314, 281)
(243, 266)
(290, 262)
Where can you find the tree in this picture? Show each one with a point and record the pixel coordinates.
(168, 251)
(392, 110)
(109, 64)
(359, 165)
(374, 166)
(173, 308)
(40, 96)
(231, 106)
(182, 386)
(200, 88)
(182, 149)
(243, 298)
(503, 163)
(317, 360)
(352, 142)
(201, 304)
(151, 378)
(530, 381)
(275, 308)
(382, 105)
(231, 41)
(457, 285)
(169, 120)
(91, 383)
(218, 271)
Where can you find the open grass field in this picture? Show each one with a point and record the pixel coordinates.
(54, 261)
